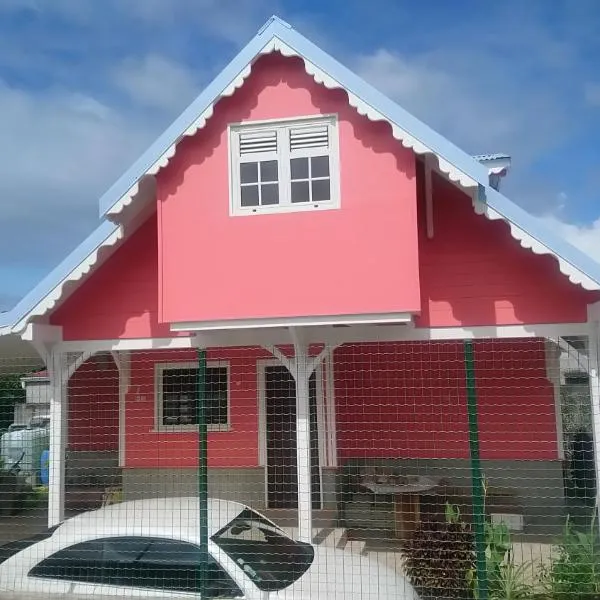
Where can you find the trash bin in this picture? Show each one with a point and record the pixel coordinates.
(45, 467)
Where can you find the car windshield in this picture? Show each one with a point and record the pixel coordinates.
(271, 559)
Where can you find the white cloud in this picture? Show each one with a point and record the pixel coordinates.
(60, 145)
(62, 148)
(585, 237)
(464, 100)
(156, 82)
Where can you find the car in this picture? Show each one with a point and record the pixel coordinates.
(152, 548)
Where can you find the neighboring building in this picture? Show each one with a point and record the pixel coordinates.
(36, 407)
(332, 254)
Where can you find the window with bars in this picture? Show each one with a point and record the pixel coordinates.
(284, 166)
(177, 396)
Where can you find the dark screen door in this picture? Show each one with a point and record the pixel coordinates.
(282, 471)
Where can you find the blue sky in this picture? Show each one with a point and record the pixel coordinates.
(86, 85)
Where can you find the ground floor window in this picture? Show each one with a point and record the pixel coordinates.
(177, 392)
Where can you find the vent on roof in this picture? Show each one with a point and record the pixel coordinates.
(255, 142)
(316, 136)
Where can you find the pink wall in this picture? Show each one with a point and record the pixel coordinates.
(408, 400)
(120, 300)
(93, 393)
(146, 447)
(359, 259)
(473, 272)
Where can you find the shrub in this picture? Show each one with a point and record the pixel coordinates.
(574, 573)
(439, 556)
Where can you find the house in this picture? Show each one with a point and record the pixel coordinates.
(351, 291)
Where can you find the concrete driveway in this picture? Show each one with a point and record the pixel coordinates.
(23, 525)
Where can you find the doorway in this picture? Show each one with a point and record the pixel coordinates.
(280, 422)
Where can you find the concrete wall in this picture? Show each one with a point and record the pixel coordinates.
(242, 485)
(532, 487)
(535, 487)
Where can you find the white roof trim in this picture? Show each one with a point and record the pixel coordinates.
(276, 45)
(50, 301)
(527, 241)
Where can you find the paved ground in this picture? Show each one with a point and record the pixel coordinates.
(17, 527)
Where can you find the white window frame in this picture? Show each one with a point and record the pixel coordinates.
(283, 156)
(160, 368)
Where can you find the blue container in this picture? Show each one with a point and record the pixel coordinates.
(45, 467)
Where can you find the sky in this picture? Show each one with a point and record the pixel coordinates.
(87, 85)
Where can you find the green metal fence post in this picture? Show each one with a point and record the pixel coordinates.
(202, 470)
(476, 476)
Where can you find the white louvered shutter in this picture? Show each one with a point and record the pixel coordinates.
(257, 142)
(309, 137)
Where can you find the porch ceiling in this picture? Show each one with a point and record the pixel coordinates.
(325, 334)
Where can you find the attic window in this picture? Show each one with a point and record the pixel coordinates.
(284, 166)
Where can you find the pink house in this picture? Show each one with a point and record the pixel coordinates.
(332, 254)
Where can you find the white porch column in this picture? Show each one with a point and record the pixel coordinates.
(58, 439)
(302, 366)
(302, 374)
(594, 374)
(122, 360)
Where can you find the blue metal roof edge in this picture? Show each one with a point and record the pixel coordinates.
(275, 27)
(71, 262)
(278, 28)
(189, 115)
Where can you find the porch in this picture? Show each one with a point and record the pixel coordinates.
(386, 409)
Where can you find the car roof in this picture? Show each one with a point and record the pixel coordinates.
(171, 517)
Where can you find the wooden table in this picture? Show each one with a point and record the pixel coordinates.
(407, 500)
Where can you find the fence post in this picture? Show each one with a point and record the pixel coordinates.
(202, 471)
(594, 383)
(476, 476)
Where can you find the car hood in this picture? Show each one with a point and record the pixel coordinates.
(341, 575)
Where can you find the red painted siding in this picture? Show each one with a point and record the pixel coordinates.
(403, 400)
(408, 400)
(120, 300)
(473, 272)
(359, 259)
(93, 393)
(238, 447)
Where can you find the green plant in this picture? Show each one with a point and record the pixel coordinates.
(439, 555)
(11, 392)
(574, 573)
(36, 496)
(510, 581)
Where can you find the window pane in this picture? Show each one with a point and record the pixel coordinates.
(269, 194)
(180, 396)
(249, 195)
(268, 170)
(180, 392)
(299, 168)
(319, 166)
(174, 565)
(248, 172)
(300, 191)
(80, 562)
(320, 190)
(216, 396)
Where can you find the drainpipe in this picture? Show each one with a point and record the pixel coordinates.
(594, 380)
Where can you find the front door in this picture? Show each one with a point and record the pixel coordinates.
(280, 409)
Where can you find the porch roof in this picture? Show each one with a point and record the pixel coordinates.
(277, 35)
